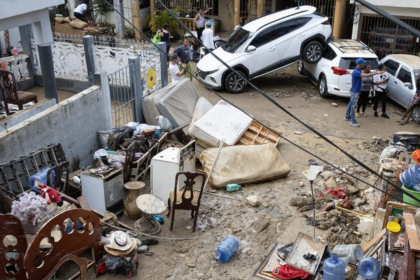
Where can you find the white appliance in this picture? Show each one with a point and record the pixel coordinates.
(104, 193)
(165, 166)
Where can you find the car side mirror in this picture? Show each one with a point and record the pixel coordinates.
(409, 85)
(251, 48)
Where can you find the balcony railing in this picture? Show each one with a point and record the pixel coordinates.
(17, 65)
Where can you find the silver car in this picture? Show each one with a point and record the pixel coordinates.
(403, 70)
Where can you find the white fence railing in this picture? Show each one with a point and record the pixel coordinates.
(17, 65)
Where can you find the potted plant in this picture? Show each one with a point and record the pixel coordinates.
(100, 8)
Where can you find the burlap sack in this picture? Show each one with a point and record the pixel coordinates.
(59, 19)
(244, 164)
(66, 20)
(78, 24)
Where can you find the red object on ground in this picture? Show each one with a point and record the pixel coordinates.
(339, 71)
(101, 269)
(289, 272)
(340, 192)
(416, 156)
(51, 194)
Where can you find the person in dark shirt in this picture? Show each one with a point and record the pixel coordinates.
(356, 88)
(184, 51)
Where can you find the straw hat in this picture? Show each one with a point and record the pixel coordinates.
(120, 243)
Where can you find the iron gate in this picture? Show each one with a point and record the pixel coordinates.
(122, 96)
(385, 37)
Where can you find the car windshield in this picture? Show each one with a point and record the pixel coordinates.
(236, 40)
(350, 63)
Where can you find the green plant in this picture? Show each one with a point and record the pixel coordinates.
(162, 17)
(100, 8)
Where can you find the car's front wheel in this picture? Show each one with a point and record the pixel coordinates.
(416, 115)
(301, 68)
(235, 83)
(323, 87)
(312, 52)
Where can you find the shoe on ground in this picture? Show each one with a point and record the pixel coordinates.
(376, 114)
(385, 116)
(364, 114)
(355, 124)
(358, 115)
(346, 119)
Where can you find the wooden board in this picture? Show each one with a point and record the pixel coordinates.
(412, 233)
(392, 205)
(258, 134)
(366, 247)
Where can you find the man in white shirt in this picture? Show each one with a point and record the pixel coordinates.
(380, 82)
(176, 74)
(207, 38)
(81, 10)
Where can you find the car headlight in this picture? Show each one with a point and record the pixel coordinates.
(203, 74)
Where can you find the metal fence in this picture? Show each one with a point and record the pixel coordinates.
(190, 7)
(122, 96)
(325, 7)
(385, 37)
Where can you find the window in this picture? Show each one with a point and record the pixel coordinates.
(284, 28)
(303, 20)
(391, 67)
(350, 63)
(262, 38)
(236, 41)
(404, 75)
(329, 53)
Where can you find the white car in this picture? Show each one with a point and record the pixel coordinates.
(265, 45)
(332, 74)
(403, 71)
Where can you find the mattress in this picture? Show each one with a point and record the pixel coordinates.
(201, 108)
(223, 122)
(150, 111)
(178, 104)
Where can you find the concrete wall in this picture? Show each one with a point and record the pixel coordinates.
(11, 8)
(73, 123)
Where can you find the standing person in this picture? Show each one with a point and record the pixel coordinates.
(356, 87)
(81, 10)
(176, 74)
(381, 89)
(184, 53)
(414, 104)
(236, 29)
(208, 41)
(165, 36)
(367, 83)
(199, 22)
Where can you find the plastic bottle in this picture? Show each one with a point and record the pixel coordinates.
(15, 52)
(233, 187)
(369, 268)
(351, 253)
(334, 268)
(411, 176)
(227, 248)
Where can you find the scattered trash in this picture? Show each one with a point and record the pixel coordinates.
(334, 268)
(312, 161)
(369, 268)
(253, 200)
(233, 187)
(159, 219)
(297, 132)
(334, 104)
(227, 248)
(351, 253)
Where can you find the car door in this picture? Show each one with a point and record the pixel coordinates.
(405, 93)
(289, 36)
(265, 54)
(392, 67)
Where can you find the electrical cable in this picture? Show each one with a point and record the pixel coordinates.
(272, 101)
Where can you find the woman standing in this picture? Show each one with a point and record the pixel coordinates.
(199, 22)
(165, 36)
(367, 83)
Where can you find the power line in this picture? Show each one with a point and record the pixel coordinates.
(275, 103)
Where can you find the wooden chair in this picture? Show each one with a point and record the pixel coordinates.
(60, 181)
(13, 246)
(10, 95)
(188, 198)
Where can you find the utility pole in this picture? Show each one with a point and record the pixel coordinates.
(119, 21)
(135, 5)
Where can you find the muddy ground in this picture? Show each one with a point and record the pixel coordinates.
(258, 229)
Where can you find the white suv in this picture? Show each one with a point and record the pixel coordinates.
(332, 74)
(265, 45)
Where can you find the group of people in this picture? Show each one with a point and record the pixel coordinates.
(365, 82)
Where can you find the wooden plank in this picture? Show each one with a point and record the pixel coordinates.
(374, 241)
(391, 205)
(412, 234)
(408, 267)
